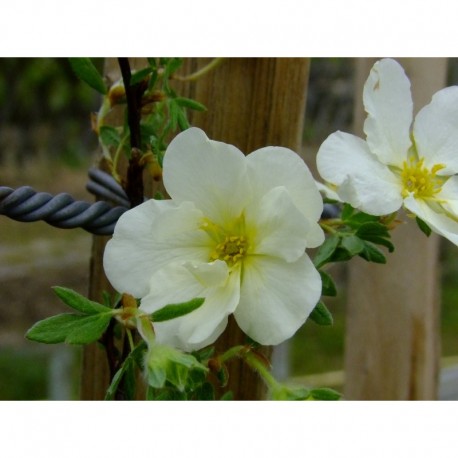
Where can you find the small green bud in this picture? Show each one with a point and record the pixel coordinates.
(166, 364)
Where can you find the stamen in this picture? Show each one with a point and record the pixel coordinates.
(420, 181)
(231, 250)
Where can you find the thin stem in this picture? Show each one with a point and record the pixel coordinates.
(116, 157)
(262, 370)
(327, 228)
(232, 353)
(203, 71)
(131, 339)
(134, 182)
(133, 106)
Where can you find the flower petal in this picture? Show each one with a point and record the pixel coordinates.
(276, 227)
(180, 283)
(277, 166)
(438, 222)
(388, 103)
(276, 298)
(345, 161)
(435, 131)
(327, 191)
(150, 236)
(211, 174)
(449, 194)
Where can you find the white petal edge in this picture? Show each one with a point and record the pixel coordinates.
(272, 166)
(388, 103)
(346, 162)
(449, 194)
(276, 227)
(276, 298)
(438, 222)
(202, 326)
(150, 236)
(327, 191)
(436, 132)
(211, 174)
(128, 258)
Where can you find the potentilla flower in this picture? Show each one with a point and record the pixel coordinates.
(234, 232)
(399, 165)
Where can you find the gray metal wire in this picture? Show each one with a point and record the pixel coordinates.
(63, 211)
(103, 185)
(27, 205)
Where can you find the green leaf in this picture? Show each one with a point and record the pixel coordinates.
(324, 394)
(157, 377)
(321, 315)
(133, 357)
(287, 393)
(174, 109)
(152, 61)
(172, 65)
(182, 119)
(340, 255)
(204, 354)
(357, 219)
(69, 328)
(140, 75)
(109, 136)
(328, 288)
(55, 329)
(376, 233)
(166, 394)
(172, 311)
(372, 229)
(347, 211)
(372, 254)
(423, 226)
(78, 302)
(227, 396)
(205, 392)
(85, 70)
(89, 329)
(189, 103)
(326, 250)
(353, 244)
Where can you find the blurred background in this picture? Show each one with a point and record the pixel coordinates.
(46, 142)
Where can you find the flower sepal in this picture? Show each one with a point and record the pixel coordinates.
(164, 364)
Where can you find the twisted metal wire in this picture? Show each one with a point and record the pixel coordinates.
(63, 211)
(27, 205)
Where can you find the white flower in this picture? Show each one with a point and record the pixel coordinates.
(234, 232)
(398, 165)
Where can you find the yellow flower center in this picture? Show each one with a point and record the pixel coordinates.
(231, 245)
(231, 250)
(419, 180)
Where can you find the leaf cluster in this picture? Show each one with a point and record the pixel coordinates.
(356, 234)
(163, 111)
(73, 328)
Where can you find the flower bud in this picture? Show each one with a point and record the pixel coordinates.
(166, 364)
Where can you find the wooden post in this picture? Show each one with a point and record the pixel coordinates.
(392, 332)
(251, 103)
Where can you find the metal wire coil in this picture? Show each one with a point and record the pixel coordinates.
(27, 205)
(63, 211)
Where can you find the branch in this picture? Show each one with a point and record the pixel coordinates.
(134, 182)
